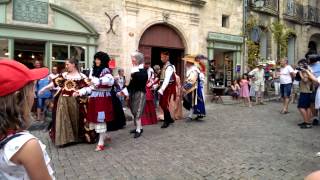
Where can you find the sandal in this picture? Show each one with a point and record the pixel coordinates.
(99, 148)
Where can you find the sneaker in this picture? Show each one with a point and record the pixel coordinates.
(306, 126)
(315, 122)
(318, 154)
(301, 124)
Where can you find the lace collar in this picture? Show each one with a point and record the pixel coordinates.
(77, 78)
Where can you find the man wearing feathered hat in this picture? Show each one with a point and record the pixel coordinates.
(258, 77)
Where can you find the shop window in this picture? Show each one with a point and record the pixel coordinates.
(61, 52)
(4, 52)
(77, 52)
(225, 21)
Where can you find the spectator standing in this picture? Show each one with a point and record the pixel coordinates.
(286, 75)
(22, 156)
(41, 98)
(244, 90)
(314, 61)
(121, 83)
(259, 83)
(304, 102)
(295, 86)
(276, 81)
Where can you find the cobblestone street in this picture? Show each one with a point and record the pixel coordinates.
(233, 142)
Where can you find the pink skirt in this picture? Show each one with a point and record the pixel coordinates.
(244, 91)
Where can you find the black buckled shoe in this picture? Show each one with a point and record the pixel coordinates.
(165, 125)
(137, 134)
(134, 131)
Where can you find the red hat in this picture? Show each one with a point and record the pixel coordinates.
(14, 76)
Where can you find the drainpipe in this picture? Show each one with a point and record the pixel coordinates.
(278, 43)
(244, 19)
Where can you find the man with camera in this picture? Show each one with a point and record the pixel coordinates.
(304, 102)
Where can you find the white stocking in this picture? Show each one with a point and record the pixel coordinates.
(101, 138)
(139, 125)
(190, 113)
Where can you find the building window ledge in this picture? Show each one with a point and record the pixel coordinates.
(291, 18)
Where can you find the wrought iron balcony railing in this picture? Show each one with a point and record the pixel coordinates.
(293, 11)
(312, 15)
(266, 6)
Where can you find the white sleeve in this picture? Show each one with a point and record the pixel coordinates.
(107, 80)
(14, 145)
(318, 78)
(252, 72)
(290, 69)
(168, 74)
(95, 81)
(85, 90)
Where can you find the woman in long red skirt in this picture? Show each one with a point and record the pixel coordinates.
(149, 115)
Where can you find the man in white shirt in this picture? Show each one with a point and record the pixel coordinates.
(167, 88)
(258, 76)
(286, 75)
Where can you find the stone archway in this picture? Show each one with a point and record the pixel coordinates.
(159, 37)
(313, 44)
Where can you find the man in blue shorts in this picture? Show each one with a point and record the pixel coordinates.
(286, 75)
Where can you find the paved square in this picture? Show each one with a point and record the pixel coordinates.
(233, 142)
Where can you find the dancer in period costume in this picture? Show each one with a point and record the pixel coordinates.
(149, 115)
(167, 88)
(137, 91)
(190, 86)
(199, 108)
(175, 105)
(68, 125)
(156, 84)
(100, 107)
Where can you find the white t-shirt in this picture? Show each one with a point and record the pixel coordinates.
(317, 99)
(12, 171)
(285, 76)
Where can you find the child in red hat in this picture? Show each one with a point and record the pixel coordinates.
(22, 156)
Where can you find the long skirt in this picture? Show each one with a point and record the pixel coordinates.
(149, 115)
(199, 108)
(67, 121)
(119, 119)
(137, 104)
(175, 107)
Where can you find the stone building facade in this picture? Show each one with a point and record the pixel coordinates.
(53, 30)
(300, 18)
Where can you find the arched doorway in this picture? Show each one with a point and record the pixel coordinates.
(161, 37)
(313, 44)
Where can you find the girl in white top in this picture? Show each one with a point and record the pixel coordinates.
(22, 156)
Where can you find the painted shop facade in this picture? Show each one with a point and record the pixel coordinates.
(54, 30)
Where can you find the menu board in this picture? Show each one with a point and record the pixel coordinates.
(228, 70)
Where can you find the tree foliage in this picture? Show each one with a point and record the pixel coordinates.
(281, 35)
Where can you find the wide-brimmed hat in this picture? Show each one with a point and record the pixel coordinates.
(190, 59)
(201, 56)
(260, 64)
(15, 76)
